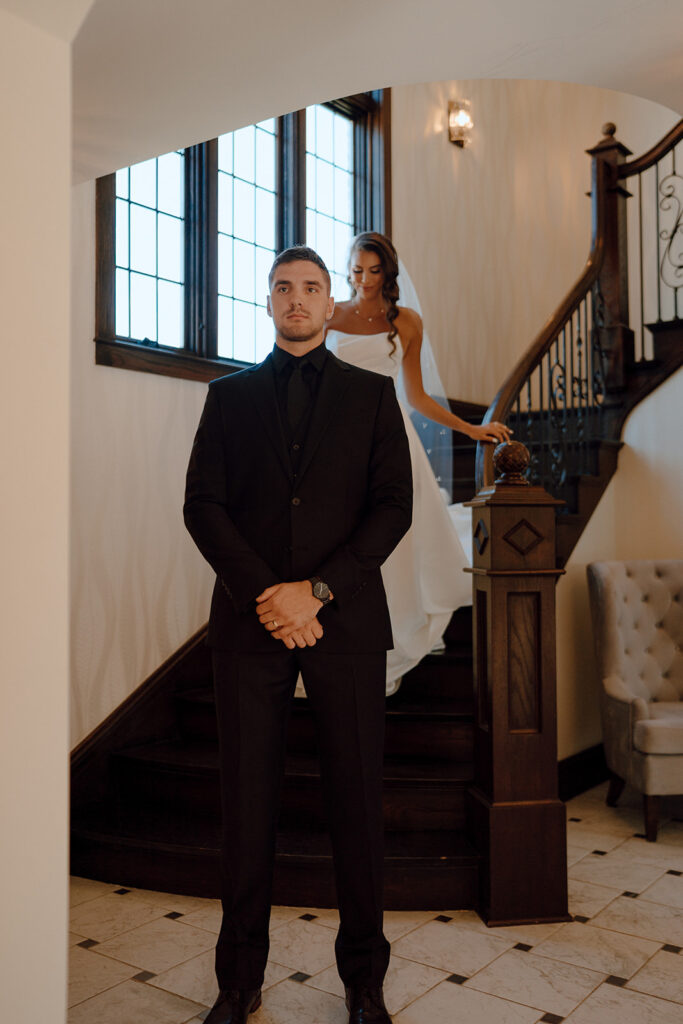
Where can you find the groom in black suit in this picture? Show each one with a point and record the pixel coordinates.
(299, 486)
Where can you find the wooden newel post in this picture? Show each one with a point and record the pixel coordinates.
(514, 815)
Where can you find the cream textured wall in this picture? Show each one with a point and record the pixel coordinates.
(35, 118)
(494, 235)
(639, 516)
(139, 587)
(201, 58)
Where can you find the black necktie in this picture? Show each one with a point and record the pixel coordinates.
(298, 394)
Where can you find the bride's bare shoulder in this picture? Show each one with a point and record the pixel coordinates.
(408, 320)
(341, 317)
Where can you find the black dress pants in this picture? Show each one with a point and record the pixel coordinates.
(254, 694)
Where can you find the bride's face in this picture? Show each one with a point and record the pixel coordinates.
(367, 276)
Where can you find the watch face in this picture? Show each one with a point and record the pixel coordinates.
(321, 590)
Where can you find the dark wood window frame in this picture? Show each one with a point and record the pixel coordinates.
(371, 115)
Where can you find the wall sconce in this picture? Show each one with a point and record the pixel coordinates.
(460, 123)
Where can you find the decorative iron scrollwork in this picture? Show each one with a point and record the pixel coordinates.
(671, 264)
(599, 319)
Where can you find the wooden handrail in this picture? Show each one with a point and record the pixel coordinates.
(507, 395)
(664, 146)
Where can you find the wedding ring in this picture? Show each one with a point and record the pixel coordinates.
(273, 624)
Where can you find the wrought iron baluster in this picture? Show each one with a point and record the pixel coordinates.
(673, 164)
(580, 423)
(564, 387)
(572, 389)
(671, 265)
(533, 447)
(659, 296)
(640, 269)
(542, 424)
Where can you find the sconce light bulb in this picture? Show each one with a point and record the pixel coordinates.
(460, 122)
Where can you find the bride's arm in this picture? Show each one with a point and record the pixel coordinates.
(411, 335)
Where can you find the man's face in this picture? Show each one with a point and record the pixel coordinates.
(299, 301)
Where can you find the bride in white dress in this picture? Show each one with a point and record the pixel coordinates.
(423, 577)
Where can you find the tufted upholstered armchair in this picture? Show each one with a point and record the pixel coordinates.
(637, 612)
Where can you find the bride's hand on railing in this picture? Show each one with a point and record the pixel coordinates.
(494, 432)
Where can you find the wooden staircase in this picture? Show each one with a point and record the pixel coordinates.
(156, 822)
(145, 787)
(568, 397)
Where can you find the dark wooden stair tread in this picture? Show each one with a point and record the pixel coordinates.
(202, 758)
(398, 706)
(154, 820)
(95, 824)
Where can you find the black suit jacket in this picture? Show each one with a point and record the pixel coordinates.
(339, 519)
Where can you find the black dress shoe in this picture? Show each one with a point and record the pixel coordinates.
(366, 1005)
(234, 1005)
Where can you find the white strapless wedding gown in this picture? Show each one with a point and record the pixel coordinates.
(423, 577)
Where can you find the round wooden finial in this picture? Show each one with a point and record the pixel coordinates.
(609, 129)
(510, 461)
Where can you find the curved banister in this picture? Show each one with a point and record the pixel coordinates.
(503, 402)
(654, 155)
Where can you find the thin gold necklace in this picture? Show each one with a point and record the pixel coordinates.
(369, 319)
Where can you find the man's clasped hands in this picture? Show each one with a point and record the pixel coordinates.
(289, 613)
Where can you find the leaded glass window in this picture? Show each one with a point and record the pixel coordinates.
(185, 241)
(150, 221)
(329, 190)
(247, 195)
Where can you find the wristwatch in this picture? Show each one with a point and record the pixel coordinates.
(320, 590)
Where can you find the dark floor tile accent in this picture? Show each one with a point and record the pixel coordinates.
(307, 917)
(88, 943)
(677, 874)
(121, 892)
(668, 948)
(457, 979)
(299, 976)
(581, 919)
(174, 915)
(599, 853)
(143, 976)
(522, 946)
(614, 980)
(550, 1018)
(443, 917)
(639, 835)
(631, 895)
(575, 819)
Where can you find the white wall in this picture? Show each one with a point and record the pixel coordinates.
(185, 82)
(495, 235)
(640, 516)
(471, 226)
(35, 117)
(139, 587)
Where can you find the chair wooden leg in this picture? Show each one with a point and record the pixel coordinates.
(651, 809)
(616, 788)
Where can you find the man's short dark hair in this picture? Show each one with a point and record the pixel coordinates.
(299, 252)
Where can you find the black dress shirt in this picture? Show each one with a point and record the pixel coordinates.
(312, 365)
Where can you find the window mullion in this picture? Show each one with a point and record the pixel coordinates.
(210, 222)
(362, 174)
(292, 180)
(201, 249)
(105, 278)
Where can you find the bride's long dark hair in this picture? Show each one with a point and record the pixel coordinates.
(372, 241)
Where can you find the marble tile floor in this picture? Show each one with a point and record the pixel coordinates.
(142, 957)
